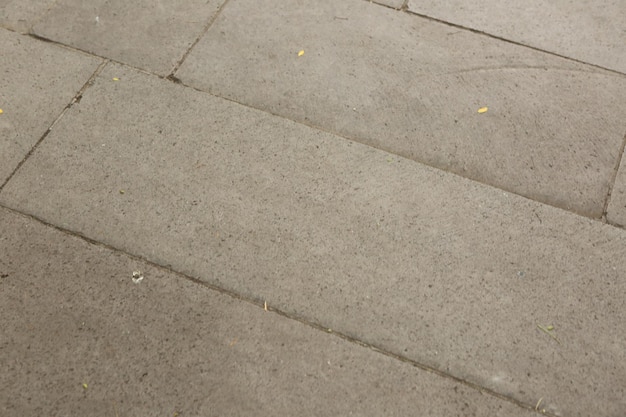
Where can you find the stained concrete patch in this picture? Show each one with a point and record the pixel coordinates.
(616, 211)
(552, 132)
(80, 338)
(20, 15)
(152, 35)
(420, 262)
(584, 30)
(38, 80)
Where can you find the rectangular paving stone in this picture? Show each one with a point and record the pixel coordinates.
(72, 316)
(38, 80)
(431, 266)
(552, 132)
(584, 30)
(20, 15)
(616, 211)
(150, 35)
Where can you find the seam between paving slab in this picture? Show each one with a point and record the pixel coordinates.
(172, 78)
(609, 194)
(200, 36)
(404, 8)
(261, 304)
(74, 100)
(257, 302)
(500, 38)
(602, 219)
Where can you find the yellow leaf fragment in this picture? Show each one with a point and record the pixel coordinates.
(265, 305)
(115, 79)
(549, 332)
(483, 110)
(84, 385)
(1, 111)
(301, 53)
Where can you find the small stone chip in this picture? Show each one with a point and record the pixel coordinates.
(137, 277)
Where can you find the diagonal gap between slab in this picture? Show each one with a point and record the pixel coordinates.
(172, 78)
(75, 99)
(176, 80)
(195, 42)
(82, 51)
(384, 5)
(500, 38)
(262, 305)
(607, 200)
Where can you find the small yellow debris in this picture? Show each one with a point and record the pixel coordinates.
(538, 402)
(122, 191)
(84, 385)
(483, 110)
(548, 331)
(550, 327)
(115, 79)
(1, 111)
(265, 306)
(301, 53)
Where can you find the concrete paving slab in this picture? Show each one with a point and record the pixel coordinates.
(152, 35)
(552, 132)
(428, 265)
(584, 30)
(616, 210)
(20, 15)
(165, 346)
(38, 80)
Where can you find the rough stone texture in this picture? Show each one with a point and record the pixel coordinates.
(71, 315)
(20, 15)
(616, 211)
(37, 81)
(401, 83)
(586, 30)
(152, 35)
(422, 263)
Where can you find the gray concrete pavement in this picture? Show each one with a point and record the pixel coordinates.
(553, 130)
(260, 175)
(38, 81)
(72, 315)
(146, 34)
(586, 30)
(20, 15)
(616, 212)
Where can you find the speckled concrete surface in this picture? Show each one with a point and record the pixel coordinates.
(449, 262)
